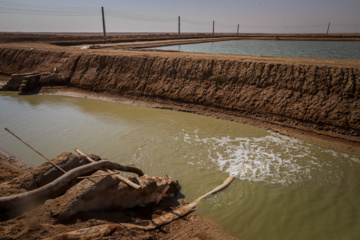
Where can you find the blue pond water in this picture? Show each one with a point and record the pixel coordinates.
(307, 49)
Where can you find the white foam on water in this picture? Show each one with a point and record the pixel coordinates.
(275, 158)
(187, 138)
(357, 160)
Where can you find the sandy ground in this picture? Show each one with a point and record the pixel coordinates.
(37, 224)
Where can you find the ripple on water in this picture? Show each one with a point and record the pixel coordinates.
(274, 159)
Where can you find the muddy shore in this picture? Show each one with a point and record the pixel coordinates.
(38, 224)
(311, 137)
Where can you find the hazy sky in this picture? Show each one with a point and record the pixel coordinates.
(271, 16)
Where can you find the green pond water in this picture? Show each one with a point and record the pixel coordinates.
(285, 188)
(308, 49)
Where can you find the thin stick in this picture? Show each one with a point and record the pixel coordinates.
(81, 153)
(126, 168)
(162, 195)
(100, 175)
(128, 182)
(36, 151)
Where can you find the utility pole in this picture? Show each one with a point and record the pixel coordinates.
(237, 33)
(179, 25)
(213, 27)
(327, 33)
(103, 22)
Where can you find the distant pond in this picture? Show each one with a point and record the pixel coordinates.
(305, 49)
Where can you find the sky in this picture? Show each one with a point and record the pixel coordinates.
(253, 16)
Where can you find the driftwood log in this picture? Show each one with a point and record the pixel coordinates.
(147, 225)
(58, 186)
(131, 184)
(108, 193)
(46, 173)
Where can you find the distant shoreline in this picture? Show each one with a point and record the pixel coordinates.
(76, 38)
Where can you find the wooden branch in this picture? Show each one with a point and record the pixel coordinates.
(126, 168)
(83, 154)
(35, 151)
(108, 229)
(162, 194)
(163, 219)
(104, 230)
(217, 189)
(96, 232)
(99, 175)
(128, 182)
(56, 187)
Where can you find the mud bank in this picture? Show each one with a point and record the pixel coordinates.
(38, 223)
(311, 95)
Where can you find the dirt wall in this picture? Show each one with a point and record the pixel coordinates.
(314, 97)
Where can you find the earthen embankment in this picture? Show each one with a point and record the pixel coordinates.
(309, 95)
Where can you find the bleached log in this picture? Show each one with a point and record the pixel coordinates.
(89, 233)
(108, 229)
(147, 225)
(217, 189)
(58, 186)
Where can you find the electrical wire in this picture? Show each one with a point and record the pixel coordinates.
(138, 18)
(38, 6)
(133, 16)
(48, 10)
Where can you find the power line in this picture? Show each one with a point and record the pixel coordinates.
(48, 10)
(38, 6)
(36, 9)
(110, 14)
(225, 25)
(139, 16)
(197, 22)
(49, 13)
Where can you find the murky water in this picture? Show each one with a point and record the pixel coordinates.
(285, 188)
(309, 49)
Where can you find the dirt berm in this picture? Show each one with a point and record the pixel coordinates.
(313, 95)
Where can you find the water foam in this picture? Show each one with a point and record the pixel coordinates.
(275, 158)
